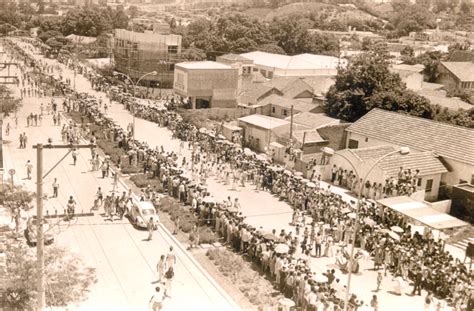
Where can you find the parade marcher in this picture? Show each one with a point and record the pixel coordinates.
(29, 169)
(156, 301)
(150, 227)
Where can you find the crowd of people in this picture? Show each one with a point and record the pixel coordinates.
(324, 222)
(404, 183)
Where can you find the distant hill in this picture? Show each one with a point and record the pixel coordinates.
(329, 11)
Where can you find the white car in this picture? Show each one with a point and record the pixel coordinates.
(141, 212)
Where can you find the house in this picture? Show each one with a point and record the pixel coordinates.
(362, 160)
(260, 131)
(454, 145)
(208, 84)
(280, 107)
(457, 75)
(255, 93)
(451, 103)
(411, 75)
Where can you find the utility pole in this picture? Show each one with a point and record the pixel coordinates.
(39, 221)
(291, 124)
(41, 298)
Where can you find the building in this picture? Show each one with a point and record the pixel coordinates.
(136, 54)
(454, 145)
(280, 107)
(314, 120)
(362, 160)
(260, 131)
(208, 84)
(303, 65)
(411, 75)
(457, 75)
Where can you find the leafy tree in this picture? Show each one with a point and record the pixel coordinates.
(133, 11)
(431, 61)
(193, 54)
(367, 83)
(67, 279)
(412, 18)
(271, 48)
(8, 103)
(465, 7)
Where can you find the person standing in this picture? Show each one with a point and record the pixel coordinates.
(74, 156)
(55, 188)
(418, 281)
(374, 303)
(150, 228)
(29, 169)
(379, 280)
(169, 275)
(156, 301)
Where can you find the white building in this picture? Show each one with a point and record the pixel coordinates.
(454, 145)
(304, 65)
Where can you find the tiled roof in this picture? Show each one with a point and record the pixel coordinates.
(297, 88)
(309, 137)
(464, 71)
(262, 121)
(256, 93)
(450, 141)
(314, 120)
(425, 161)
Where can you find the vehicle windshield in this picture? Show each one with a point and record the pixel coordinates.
(148, 212)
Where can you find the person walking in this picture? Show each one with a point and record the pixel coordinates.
(169, 275)
(150, 227)
(29, 169)
(55, 188)
(379, 280)
(161, 268)
(74, 156)
(156, 301)
(170, 258)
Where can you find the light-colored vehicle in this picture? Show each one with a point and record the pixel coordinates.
(141, 212)
(31, 230)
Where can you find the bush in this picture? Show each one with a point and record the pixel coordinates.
(206, 236)
(130, 169)
(140, 180)
(20, 196)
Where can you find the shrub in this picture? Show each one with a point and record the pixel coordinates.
(206, 236)
(16, 196)
(140, 180)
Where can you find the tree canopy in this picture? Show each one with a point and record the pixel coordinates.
(367, 83)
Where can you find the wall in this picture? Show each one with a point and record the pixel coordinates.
(371, 142)
(457, 171)
(215, 113)
(414, 81)
(441, 206)
(261, 134)
(446, 77)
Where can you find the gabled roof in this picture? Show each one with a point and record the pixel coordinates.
(258, 92)
(450, 141)
(280, 101)
(297, 88)
(314, 120)
(425, 161)
(262, 121)
(464, 71)
(308, 137)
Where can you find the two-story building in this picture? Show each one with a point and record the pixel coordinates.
(208, 84)
(453, 145)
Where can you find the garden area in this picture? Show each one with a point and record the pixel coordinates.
(258, 290)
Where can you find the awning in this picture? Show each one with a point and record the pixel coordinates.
(422, 212)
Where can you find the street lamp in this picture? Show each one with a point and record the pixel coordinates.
(403, 151)
(152, 73)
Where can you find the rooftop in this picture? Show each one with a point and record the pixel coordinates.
(425, 161)
(314, 120)
(285, 62)
(452, 103)
(414, 68)
(450, 141)
(203, 65)
(280, 101)
(464, 71)
(262, 121)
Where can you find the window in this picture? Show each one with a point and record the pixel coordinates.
(366, 139)
(472, 179)
(172, 49)
(284, 112)
(419, 182)
(273, 111)
(353, 144)
(429, 185)
(255, 69)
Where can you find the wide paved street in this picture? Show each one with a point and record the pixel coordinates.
(261, 209)
(124, 261)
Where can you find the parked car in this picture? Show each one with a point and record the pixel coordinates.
(141, 212)
(31, 232)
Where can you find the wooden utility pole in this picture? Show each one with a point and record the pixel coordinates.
(41, 298)
(291, 124)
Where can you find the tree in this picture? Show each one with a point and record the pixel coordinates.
(465, 7)
(8, 103)
(67, 278)
(367, 83)
(133, 11)
(431, 61)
